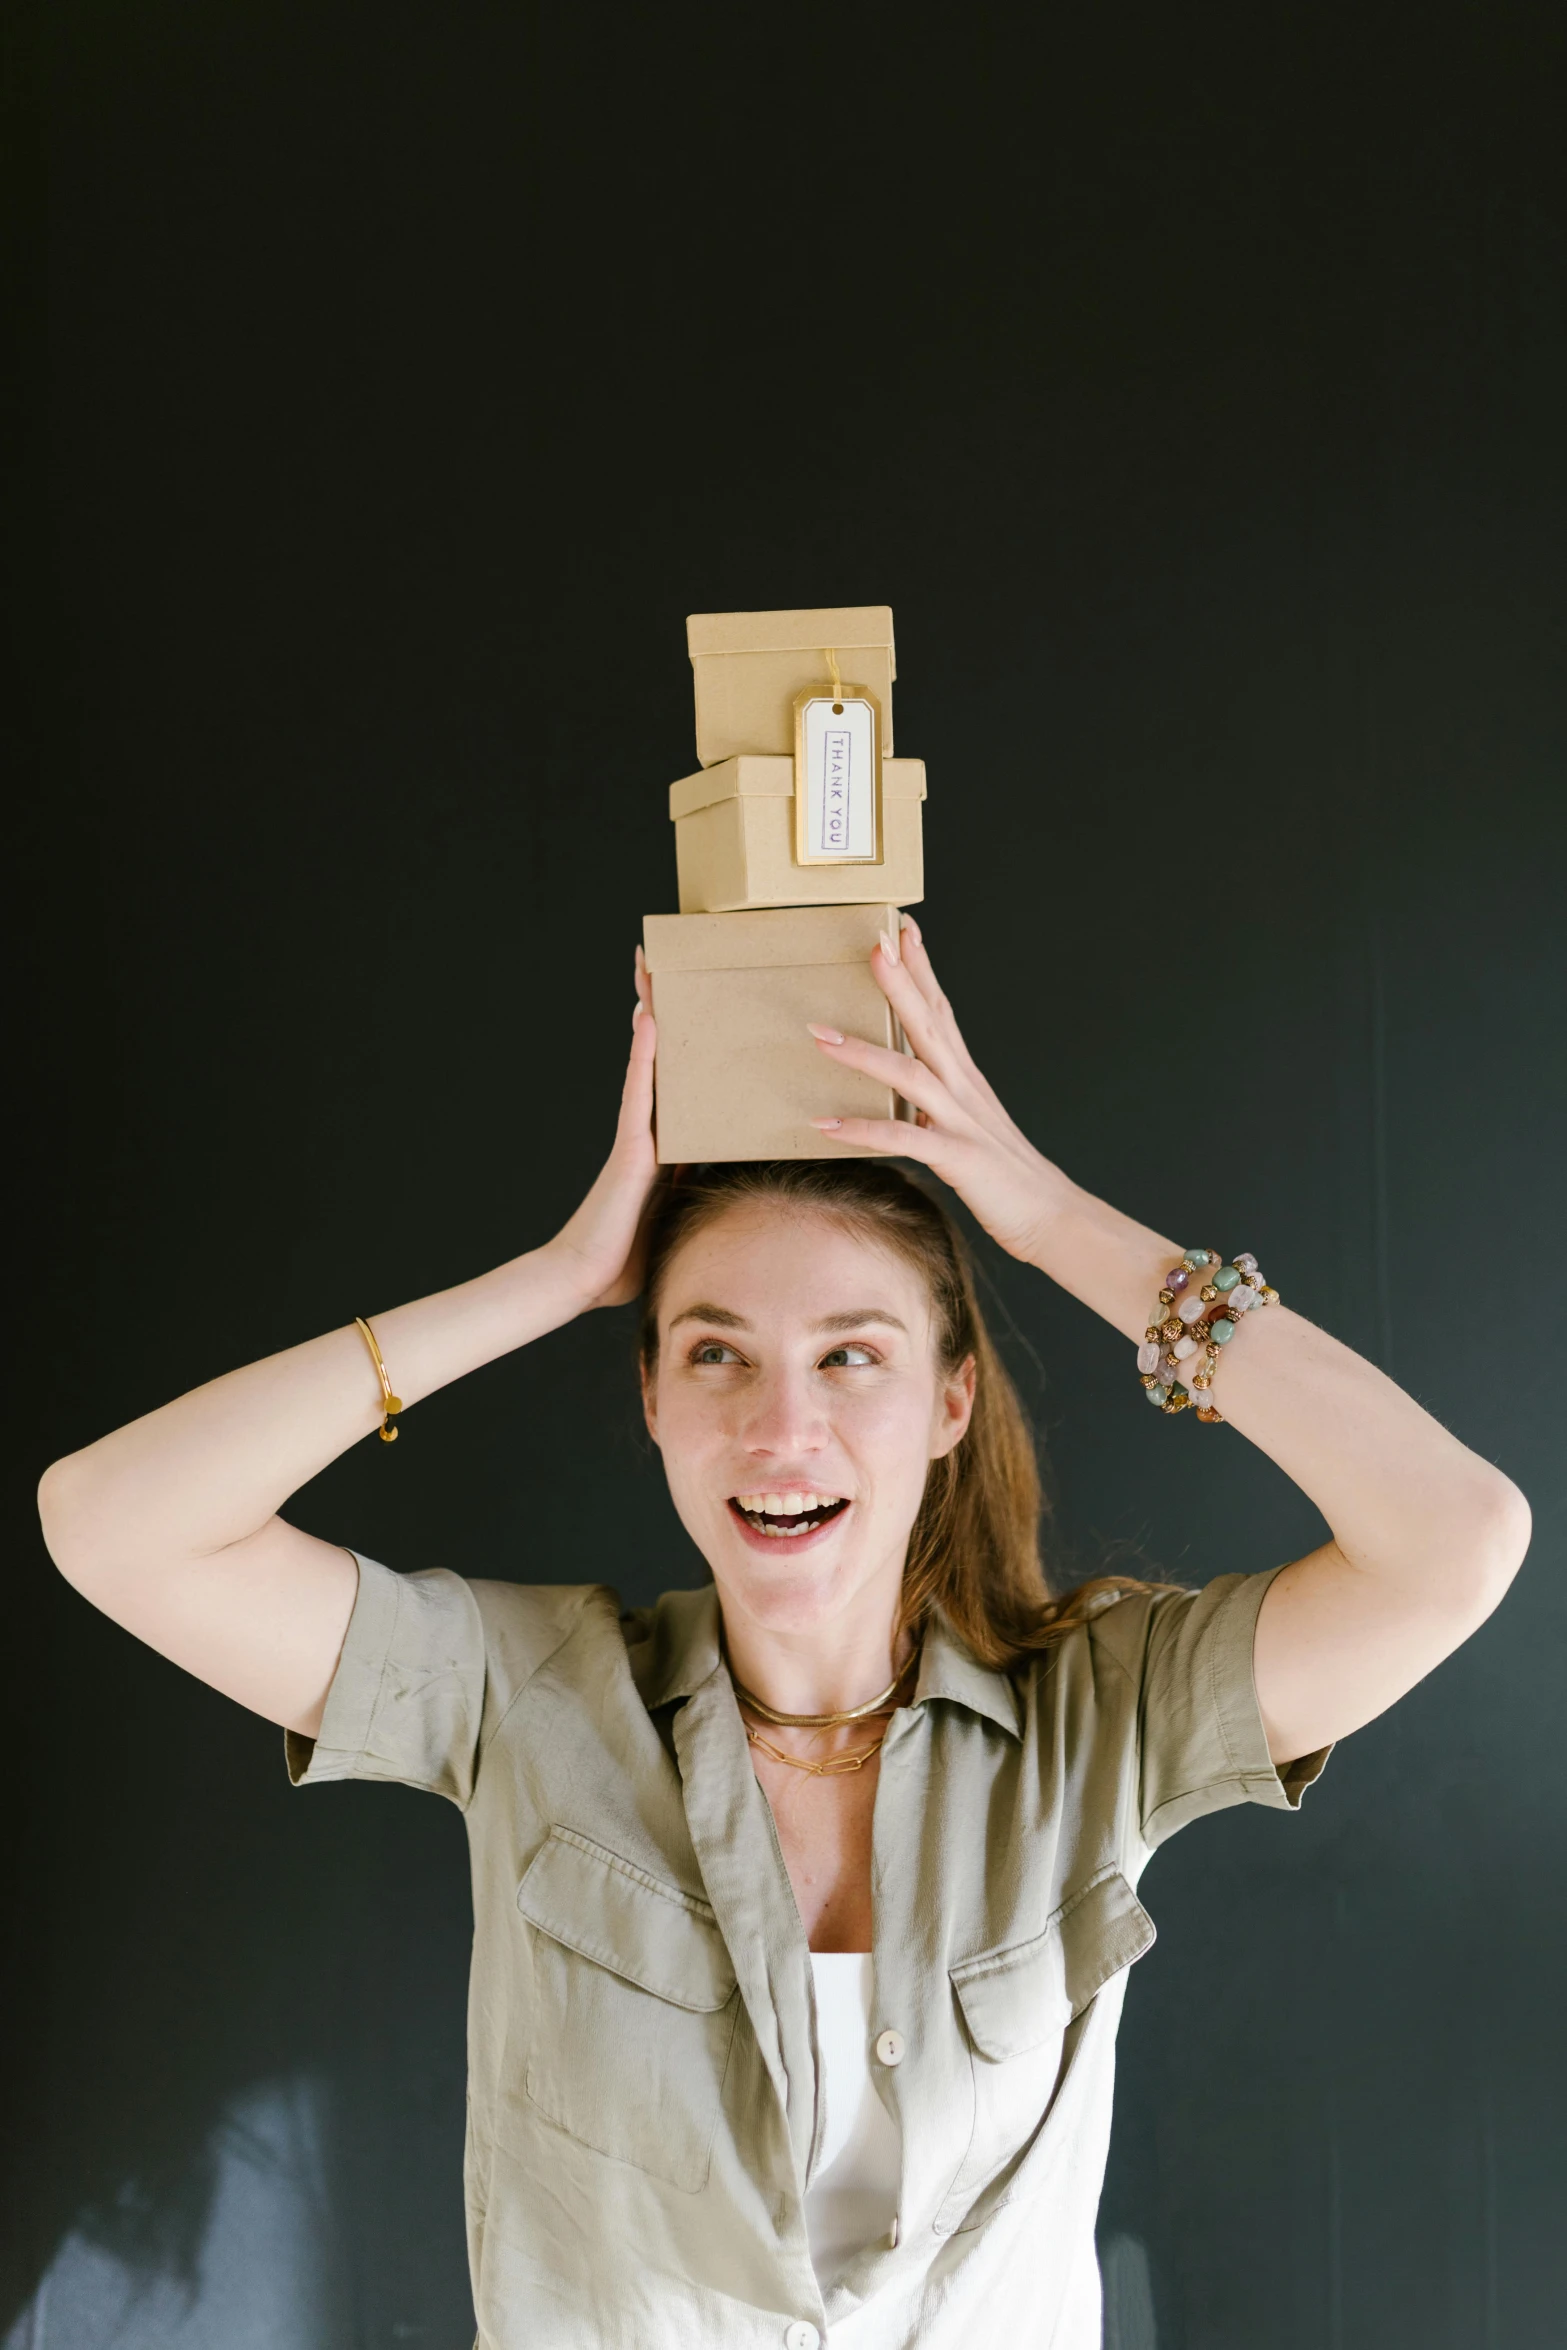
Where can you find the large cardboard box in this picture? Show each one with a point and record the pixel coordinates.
(738, 1077)
(749, 666)
(735, 840)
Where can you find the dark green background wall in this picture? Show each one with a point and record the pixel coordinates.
(1199, 409)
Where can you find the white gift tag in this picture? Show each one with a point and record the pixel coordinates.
(837, 776)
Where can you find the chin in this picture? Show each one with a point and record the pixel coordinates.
(784, 1584)
(791, 1601)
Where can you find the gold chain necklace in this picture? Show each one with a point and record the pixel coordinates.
(855, 1713)
(837, 1766)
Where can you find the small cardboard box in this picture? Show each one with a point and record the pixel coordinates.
(734, 840)
(749, 666)
(738, 1077)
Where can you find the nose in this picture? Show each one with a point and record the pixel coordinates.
(785, 1421)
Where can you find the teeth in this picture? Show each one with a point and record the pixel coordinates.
(785, 1505)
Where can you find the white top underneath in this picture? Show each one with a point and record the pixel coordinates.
(852, 2199)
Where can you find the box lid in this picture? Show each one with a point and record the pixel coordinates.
(755, 775)
(761, 940)
(845, 627)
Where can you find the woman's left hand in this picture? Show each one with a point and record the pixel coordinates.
(963, 1134)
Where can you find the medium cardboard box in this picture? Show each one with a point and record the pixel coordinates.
(734, 840)
(738, 1077)
(749, 666)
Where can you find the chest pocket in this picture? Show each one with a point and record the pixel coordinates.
(634, 2012)
(1017, 2005)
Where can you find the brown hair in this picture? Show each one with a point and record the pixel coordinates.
(974, 1548)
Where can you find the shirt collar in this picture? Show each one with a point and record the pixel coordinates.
(948, 1669)
(683, 1652)
(682, 1649)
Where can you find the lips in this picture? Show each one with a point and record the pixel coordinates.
(789, 1516)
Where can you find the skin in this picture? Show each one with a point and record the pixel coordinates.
(171, 1525)
(795, 1357)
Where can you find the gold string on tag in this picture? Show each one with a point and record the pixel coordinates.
(831, 659)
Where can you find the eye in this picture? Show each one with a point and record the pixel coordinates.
(712, 1350)
(852, 1357)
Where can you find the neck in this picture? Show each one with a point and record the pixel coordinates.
(825, 1669)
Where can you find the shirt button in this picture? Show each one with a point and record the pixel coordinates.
(889, 2048)
(801, 2336)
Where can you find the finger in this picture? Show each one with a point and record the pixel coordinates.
(905, 956)
(929, 1027)
(915, 959)
(636, 1095)
(911, 1078)
(893, 1138)
(914, 956)
(643, 980)
(942, 1043)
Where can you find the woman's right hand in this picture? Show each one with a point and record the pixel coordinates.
(603, 1242)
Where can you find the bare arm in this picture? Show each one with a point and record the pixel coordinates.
(171, 1525)
(1426, 1536)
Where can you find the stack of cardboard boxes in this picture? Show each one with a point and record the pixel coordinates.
(797, 841)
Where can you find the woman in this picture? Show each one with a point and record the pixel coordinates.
(804, 1904)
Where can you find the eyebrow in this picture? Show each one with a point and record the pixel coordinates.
(720, 1318)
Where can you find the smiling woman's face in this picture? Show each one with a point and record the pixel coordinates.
(798, 1405)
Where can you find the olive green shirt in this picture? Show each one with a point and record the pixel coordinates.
(644, 2109)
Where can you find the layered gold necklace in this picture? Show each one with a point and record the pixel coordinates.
(836, 1766)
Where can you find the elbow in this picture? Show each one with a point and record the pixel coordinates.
(65, 1513)
(1499, 1540)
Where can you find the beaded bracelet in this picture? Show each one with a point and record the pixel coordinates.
(1181, 1323)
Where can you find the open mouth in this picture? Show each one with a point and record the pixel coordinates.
(786, 1515)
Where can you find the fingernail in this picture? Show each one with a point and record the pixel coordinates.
(637, 1011)
(826, 1125)
(889, 946)
(910, 925)
(825, 1035)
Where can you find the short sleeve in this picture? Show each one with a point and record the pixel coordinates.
(407, 1699)
(1202, 1744)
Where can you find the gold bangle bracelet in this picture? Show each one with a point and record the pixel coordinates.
(390, 1403)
